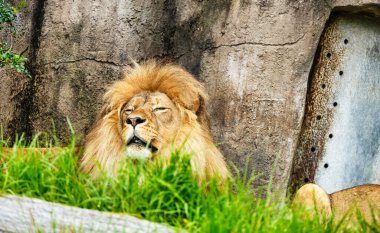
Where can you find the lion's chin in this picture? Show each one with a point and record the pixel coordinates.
(137, 151)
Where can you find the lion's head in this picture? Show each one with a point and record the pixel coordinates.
(156, 108)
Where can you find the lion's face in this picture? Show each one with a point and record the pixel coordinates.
(148, 120)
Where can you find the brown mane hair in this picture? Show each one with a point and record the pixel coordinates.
(104, 143)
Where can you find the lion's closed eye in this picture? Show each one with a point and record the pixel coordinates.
(160, 109)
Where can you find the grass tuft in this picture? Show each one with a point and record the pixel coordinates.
(167, 195)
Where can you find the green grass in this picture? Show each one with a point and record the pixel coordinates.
(167, 195)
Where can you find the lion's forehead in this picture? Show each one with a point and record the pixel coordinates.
(150, 98)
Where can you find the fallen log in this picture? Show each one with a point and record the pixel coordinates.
(23, 214)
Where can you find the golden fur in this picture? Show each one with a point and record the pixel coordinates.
(183, 123)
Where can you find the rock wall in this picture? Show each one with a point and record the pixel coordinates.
(15, 88)
(254, 58)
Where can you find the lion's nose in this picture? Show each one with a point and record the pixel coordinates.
(135, 121)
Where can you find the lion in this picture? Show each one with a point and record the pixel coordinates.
(155, 109)
(342, 205)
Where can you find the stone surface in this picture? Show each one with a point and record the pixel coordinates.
(339, 143)
(23, 214)
(15, 96)
(256, 74)
(253, 56)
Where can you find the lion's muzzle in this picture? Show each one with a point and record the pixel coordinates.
(141, 143)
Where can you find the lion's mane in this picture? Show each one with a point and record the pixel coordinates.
(104, 147)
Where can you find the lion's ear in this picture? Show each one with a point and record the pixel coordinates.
(196, 102)
(201, 112)
(195, 99)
